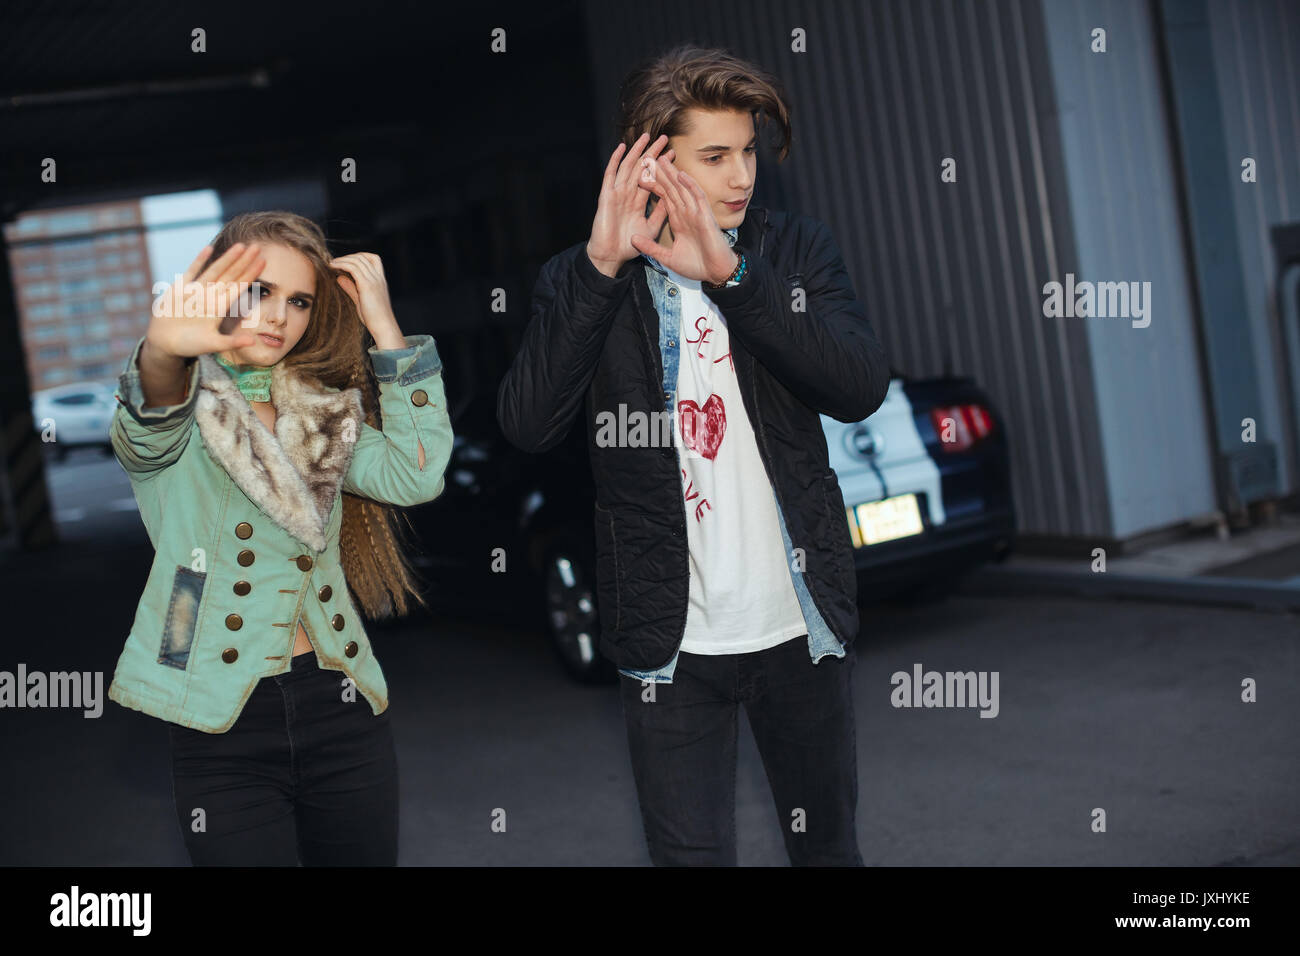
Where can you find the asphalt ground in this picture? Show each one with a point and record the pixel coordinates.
(1131, 706)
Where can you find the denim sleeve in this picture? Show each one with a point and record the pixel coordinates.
(663, 675)
(147, 439)
(413, 405)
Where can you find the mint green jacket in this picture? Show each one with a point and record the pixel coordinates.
(245, 526)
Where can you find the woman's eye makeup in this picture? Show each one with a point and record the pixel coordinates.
(295, 301)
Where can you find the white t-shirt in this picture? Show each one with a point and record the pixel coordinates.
(741, 596)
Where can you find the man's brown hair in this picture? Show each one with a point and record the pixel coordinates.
(655, 96)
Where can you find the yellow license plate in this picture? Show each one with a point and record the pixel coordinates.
(875, 521)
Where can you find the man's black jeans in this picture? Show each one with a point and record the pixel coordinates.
(683, 748)
(302, 776)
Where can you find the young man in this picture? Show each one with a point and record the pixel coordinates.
(724, 567)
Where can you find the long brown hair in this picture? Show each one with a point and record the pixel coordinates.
(332, 351)
(655, 95)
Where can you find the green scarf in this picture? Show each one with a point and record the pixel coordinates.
(253, 381)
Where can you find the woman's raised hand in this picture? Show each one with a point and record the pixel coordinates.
(362, 278)
(620, 210)
(205, 315)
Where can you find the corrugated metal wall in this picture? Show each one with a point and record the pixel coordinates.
(952, 274)
(1124, 206)
(1256, 52)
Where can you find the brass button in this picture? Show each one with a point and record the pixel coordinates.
(242, 588)
(243, 530)
(325, 593)
(337, 621)
(419, 397)
(350, 649)
(230, 655)
(304, 563)
(245, 557)
(234, 622)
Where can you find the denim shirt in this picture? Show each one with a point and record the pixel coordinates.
(668, 304)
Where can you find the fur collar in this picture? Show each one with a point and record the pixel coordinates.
(294, 475)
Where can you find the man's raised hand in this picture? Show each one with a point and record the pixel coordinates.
(699, 249)
(620, 210)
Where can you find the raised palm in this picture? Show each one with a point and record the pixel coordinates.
(219, 291)
(620, 210)
(699, 249)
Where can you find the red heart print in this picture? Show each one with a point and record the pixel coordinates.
(702, 428)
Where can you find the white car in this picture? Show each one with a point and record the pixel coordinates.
(75, 415)
(926, 482)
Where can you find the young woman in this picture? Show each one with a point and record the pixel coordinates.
(266, 472)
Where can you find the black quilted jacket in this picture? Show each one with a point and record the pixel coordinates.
(593, 341)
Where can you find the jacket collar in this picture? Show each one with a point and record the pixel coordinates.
(753, 228)
(294, 475)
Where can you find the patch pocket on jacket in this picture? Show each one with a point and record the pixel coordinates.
(182, 617)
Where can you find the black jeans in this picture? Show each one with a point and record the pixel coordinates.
(302, 776)
(683, 748)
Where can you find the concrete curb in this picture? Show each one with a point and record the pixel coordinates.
(1191, 589)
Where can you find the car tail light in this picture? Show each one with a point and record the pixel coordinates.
(960, 426)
